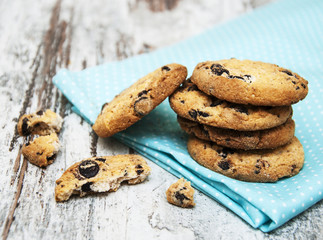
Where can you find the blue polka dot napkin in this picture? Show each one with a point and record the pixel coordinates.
(288, 33)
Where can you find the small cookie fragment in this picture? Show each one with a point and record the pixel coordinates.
(42, 150)
(181, 194)
(101, 174)
(39, 123)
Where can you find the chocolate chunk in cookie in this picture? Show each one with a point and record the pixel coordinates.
(181, 194)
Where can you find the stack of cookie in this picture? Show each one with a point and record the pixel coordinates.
(238, 113)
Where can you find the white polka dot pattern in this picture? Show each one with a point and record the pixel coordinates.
(287, 33)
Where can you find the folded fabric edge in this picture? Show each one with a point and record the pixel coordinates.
(277, 219)
(203, 186)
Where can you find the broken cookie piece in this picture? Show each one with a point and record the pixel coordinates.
(181, 194)
(101, 174)
(42, 150)
(40, 123)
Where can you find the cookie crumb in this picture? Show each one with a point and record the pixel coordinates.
(181, 194)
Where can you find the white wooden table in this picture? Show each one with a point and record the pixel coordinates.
(37, 38)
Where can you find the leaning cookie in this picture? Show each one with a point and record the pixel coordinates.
(101, 174)
(191, 103)
(181, 194)
(42, 150)
(139, 99)
(246, 140)
(39, 123)
(250, 82)
(250, 166)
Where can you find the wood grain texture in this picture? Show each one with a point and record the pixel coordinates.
(38, 38)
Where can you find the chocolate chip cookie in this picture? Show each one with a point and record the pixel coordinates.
(139, 99)
(101, 174)
(191, 103)
(181, 194)
(250, 82)
(39, 123)
(42, 150)
(251, 166)
(246, 140)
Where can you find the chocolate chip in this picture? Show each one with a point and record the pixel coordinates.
(40, 112)
(257, 171)
(139, 172)
(218, 69)
(293, 167)
(224, 165)
(100, 159)
(231, 76)
(51, 157)
(293, 82)
(241, 109)
(144, 92)
(86, 187)
(287, 72)
(262, 164)
(166, 68)
(297, 87)
(39, 153)
(224, 152)
(139, 166)
(202, 114)
(125, 173)
(193, 114)
(89, 168)
(24, 127)
(181, 197)
(303, 85)
(182, 101)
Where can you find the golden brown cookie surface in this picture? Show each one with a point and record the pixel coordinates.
(40, 123)
(191, 103)
(42, 150)
(139, 99)
(246, 140)
(251, 166)
(250, 82)
(100, 174)
(181, 194)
